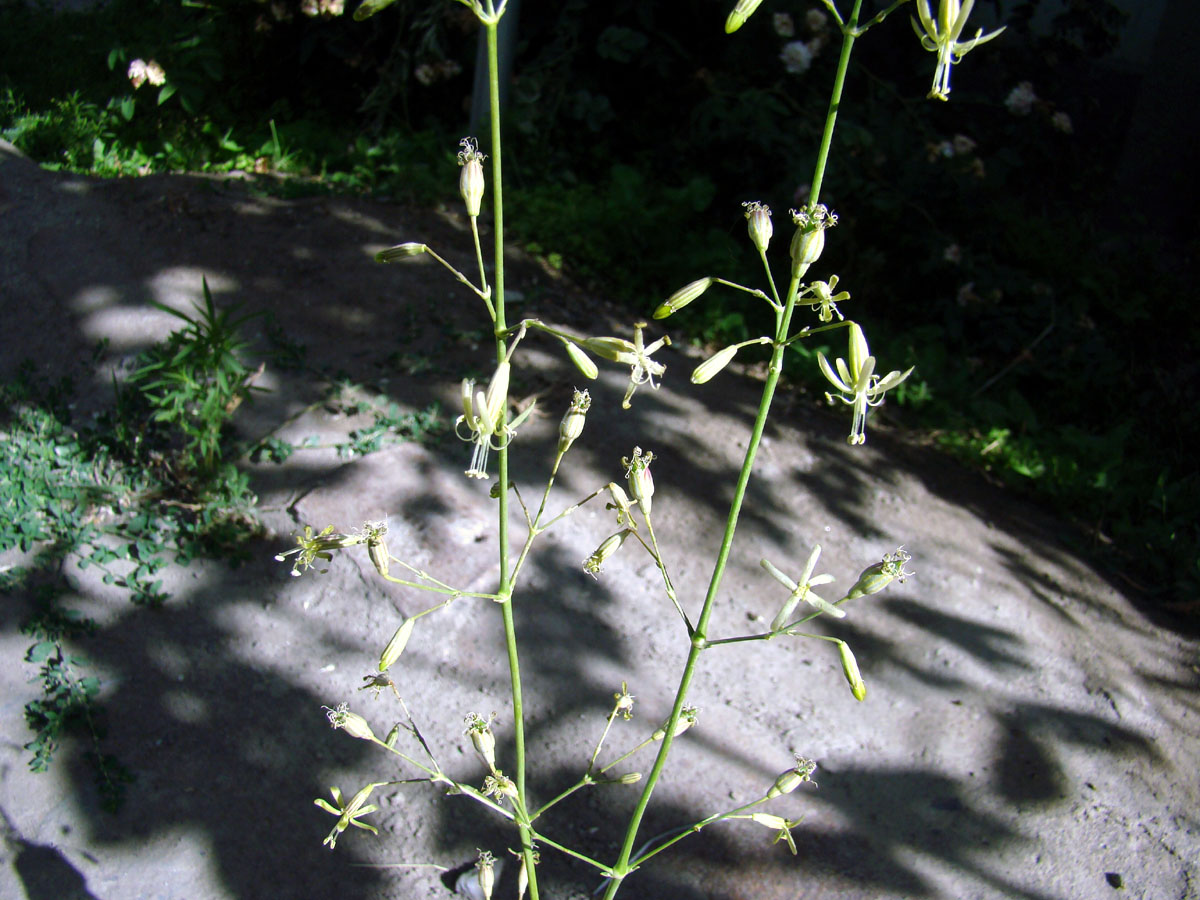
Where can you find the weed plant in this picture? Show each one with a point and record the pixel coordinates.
(152, 481)
(486, 424)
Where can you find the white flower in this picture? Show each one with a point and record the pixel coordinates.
(941, 35)
(155, 74)
(484, 415)
(796, 57)
(137, 73)
(1020, 99)
(783, 24)
(635, 354)
(823, 299)
(802, 590)
(857, 383)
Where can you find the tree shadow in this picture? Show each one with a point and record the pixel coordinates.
(228, 750)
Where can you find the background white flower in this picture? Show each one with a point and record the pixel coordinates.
(796, 57)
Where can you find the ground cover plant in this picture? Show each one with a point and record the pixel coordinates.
(153, 478)
(488, 425)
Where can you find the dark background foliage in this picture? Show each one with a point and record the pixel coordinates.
(998, 250)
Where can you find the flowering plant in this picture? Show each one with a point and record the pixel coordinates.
(486, 423)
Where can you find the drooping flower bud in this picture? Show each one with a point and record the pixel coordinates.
(572, 423)
(858, 348)
(497, 396)
(392, 736)
(714, 364)
(400, 251)
(522, 879)
(611, 545)
(769, 820)
(850, 670)
(741, 12)
(582, 361)
(486, 868)
(468, 403)
(630, 778)
(396, 645)
(470, 180)
(621, 505)
(683, 297)
(478, 881)
(758, 223)
(613, 349)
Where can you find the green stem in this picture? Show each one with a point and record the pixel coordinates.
(849, 34)
(622, 866)
(500, 326)
(692, 829)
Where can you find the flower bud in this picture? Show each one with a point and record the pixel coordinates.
(683, 297)
(859, 351)
(775, 823)
(396, 645)
(741, 12)
(620, 504)
(392, 736)
(791, 779)
(582, 361)
(806, 248)
(850, 670)
(497, 396)
(378, 552)
(400, 251)
(486, 869)
(611, 545)
(809, 239)
(714, 364)
(468, 391)
(613, 349)
(639, 479)
(687, 718)
(572, 423)
(470, 180)
(478, 882)
(630, 778)
(624, 703)
(479, 730)
(499, 786)
(522, 879)
(758, 223)
(352, 723)
(874, 579)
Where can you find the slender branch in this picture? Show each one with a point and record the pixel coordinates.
(622, 866)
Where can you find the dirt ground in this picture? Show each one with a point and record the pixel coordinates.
(1030, 730)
